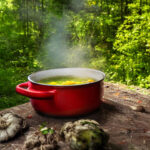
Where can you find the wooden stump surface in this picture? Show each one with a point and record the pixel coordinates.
(128, 129)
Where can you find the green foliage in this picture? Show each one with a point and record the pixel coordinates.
(45, 130)
(130, 60)
(13, 100)
(7, 81)
(19, 41)
(95, 27)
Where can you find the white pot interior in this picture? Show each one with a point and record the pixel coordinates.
(75, 72)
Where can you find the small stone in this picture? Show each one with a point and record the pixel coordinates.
(106, 86)
(29, 116)
(144, 141)
(148, 133)
(137, 108)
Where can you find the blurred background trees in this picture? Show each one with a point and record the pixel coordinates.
(114, 33)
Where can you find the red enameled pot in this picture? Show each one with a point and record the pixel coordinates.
(66, 100)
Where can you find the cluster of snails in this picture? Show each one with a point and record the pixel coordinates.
(79, 135)
(83, 134)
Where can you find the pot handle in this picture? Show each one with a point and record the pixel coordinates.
(23, 90)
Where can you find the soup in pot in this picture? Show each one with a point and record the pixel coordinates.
(66, 80)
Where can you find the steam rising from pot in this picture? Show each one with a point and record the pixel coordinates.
(58, 51)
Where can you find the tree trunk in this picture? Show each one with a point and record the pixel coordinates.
(108, 12)
(126, 7)
(27, 19)
(140, 12)
(121, 12)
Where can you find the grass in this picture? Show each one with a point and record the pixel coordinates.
(13, 100)
(11, 77)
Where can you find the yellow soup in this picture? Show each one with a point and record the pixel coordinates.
(66, 80)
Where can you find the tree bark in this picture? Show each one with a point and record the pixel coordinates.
(126, 7)
(140, 12)
(121, 10)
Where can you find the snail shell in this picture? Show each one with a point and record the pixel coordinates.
(10, 125)
(84, 134)
(71, 128)
(137, 108)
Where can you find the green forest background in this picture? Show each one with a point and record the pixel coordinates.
(109, 35)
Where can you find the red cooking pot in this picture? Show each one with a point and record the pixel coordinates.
(66, 100)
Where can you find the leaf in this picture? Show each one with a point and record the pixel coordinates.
(45, 132)
(51, 131)
(139, 101)
(124, 97)
(116, 94)
(43, 125)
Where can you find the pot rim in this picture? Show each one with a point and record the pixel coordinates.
(102, 73)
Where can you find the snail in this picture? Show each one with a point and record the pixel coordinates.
(10, 125)
(79, 135)
(137, 108)
(84, 134)
(36, 140)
